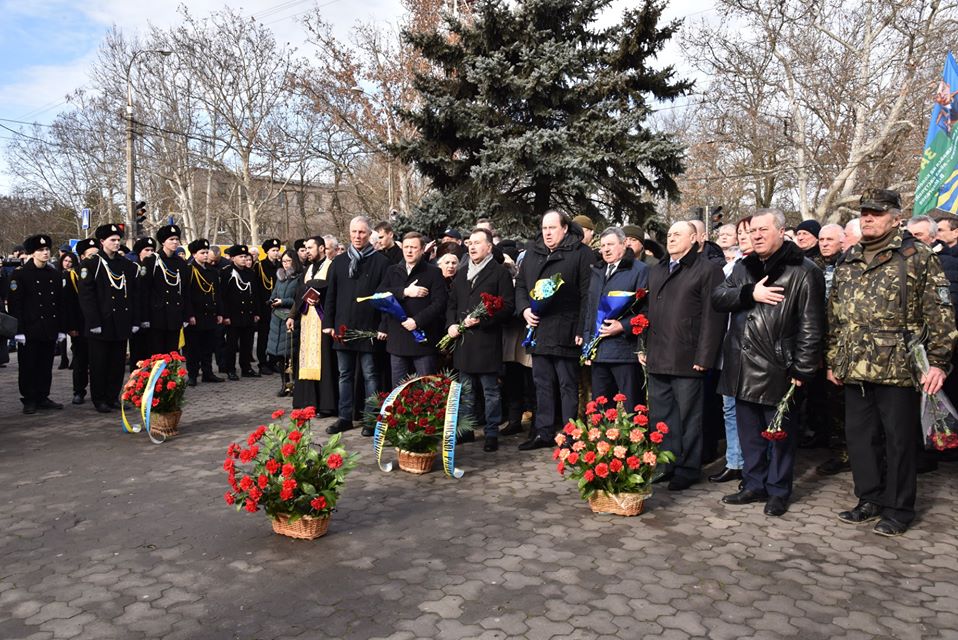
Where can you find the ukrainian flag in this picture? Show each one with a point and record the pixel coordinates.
(948, 194)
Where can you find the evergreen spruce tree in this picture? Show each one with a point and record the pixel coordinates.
(530, 105)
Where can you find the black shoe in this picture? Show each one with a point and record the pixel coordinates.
(191, 382)
(511, 429)
(47, 403)
(113, 405)
(212, 378)
(864, 512)
(678, 483)
(834, 466)
(266, 371)
(745, 497)
(536, 443)
(102, 407)
(726, 475)
(468, 436)
(665, 477)
(232, 376)
(250, 374)
(368, 432)
(29, 408)
(79, 398)
(926, 464)
(492, 444)
(339, 426)
(282, 393)
(776, 506)
(890, 528)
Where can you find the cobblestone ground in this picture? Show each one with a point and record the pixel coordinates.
(105, 535)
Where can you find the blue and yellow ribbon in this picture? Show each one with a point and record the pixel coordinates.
(146, 404)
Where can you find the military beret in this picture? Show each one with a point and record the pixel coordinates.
(198, 245)
(85, 245)
(238, 250)
(879, 200)
(272, 243)
(35, 243)
(105, 231)
(585, 222)
(169, 231)
(142, 244)
(299, 244)
(632, 231)
(812, 226)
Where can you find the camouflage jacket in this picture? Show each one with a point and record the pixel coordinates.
(866, 331)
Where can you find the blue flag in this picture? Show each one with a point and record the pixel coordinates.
(938, 177)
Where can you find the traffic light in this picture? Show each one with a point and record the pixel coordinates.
(715, 215)
(122, 230)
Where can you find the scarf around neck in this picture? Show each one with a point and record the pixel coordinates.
(355, 257)
(473, 269)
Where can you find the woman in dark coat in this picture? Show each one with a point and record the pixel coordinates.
(281, 301)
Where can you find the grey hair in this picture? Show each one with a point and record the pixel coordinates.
(727, 225)
(778, 217)
(364, 219)
(841, 230)
(613, 231)
(932, 225)
(331, 241)
(855, 226)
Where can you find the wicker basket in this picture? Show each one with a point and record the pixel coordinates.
(306, 528)
(165, 424)
(417, 463)
(620, 504)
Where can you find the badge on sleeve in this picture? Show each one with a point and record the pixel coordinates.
(944, 296)
(13, 285)
(142, 270)
(83, 273)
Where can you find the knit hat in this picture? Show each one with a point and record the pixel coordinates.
(812, 226)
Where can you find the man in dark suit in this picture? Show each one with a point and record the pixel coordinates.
(73, 320)
(683, 341)
(478, 358)
(163, 280)
(206, 313)
(240, 299)
(354, 274)
(421, 290)
(264, 271)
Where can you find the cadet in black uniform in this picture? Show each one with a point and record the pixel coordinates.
(143, 249)
(265, 273)
(166, 306)
(240, 296)
(73, 320)
(34, 300)
(108, 299)
(206, 313)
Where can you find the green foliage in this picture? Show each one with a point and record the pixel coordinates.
(532, 106)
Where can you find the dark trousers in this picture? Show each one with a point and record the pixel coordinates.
(555, 379)
(518, 394)
(239, 340)
(81, 364)
(611, 378)
(347, 361)
(402, 366)
(164, 341)
(139, 347)
(768, 464)
(677, 401)
(35, 360)
(262, 338)
(881, 430)
(492, 400)
(106, 369)
(198, 347)
(713, 416)
(219, 348)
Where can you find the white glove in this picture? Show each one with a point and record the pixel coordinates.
(20, 338)
(145, 325)
(61, 336)
(135, 328)
(186, 324)
(96, 330)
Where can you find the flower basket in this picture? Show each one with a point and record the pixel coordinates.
(306, 528)
(418, 463)
(165, 424)
(620, 504)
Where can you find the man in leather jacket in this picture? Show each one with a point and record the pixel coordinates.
(776, 297)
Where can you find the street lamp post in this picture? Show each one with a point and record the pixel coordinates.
(130, 186)
(389, 141)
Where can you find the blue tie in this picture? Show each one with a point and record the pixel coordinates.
(673, 265)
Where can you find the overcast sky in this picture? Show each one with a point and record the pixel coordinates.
(46, 46)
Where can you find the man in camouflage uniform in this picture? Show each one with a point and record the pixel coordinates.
(888, 289)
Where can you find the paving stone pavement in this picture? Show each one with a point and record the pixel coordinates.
(105, 535)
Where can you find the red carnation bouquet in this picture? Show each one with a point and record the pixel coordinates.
(282, 472)
(169, 388)
(613, 450)
(775, 431)
(489, 307)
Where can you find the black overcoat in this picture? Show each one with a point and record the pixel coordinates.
(480, 348)
(429, 312)
(109, 297)
(34, 299)
(340, 304)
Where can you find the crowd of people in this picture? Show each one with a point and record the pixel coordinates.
(717, 334)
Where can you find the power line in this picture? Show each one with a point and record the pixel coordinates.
(302, 13)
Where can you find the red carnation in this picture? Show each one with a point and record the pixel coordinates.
(661, 427)
(251, 506)
(602, 470)
(560, 468)
(619, 397)
(288, 450)
(589, 476)
(295, 436)
(611, 414)
(601, 400)
(656, 437)
(288, 470)
(279, 413)
(633, 462)
(272, 466)
(245, 483)
(318, 503)
(615, 466)
(262, 481)
(335, 461)
(572, 458)
(589, 457)
(229, 498)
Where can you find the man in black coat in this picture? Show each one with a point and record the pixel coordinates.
(111, 314)
(387, 236)
(421, 290)
(163, 278)
(206, 313)
(73, 320)
(264, 271)
(478, 357)
(683, 341)
(240, 295)
(34, 299)
(354, 274)
(143, 249)
(777, 300)
(557, 249)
